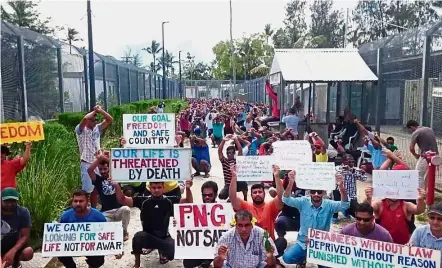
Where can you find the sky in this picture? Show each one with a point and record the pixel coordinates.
(194, 26)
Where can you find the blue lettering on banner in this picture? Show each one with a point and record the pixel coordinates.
(407, 261)
(77, 227)
(340, 249)
(53, 227)
(372, 255)
(124, 153)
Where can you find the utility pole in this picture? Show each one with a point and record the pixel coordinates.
(164, 61)
(232, 48)
(93, 99)
(181, 83)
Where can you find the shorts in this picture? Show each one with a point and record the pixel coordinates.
(86, 181)
(8, 242)
(210, 132)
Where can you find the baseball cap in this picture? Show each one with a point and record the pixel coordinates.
(9, 193)
(435, 209)
(5, 150)
(317, 144)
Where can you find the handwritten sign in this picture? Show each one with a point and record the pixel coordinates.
(82, 239)
(286, 154)
(254, 168)
(199, 227)
(316, 176)
(134, 165)
(336, 250)
(149, 130)
(21, 132)
(395, 184)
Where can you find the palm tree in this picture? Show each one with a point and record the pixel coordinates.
(268, 32)
(154, 49)
(170, 59)
(72, 36)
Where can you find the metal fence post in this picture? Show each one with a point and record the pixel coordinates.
(60, 80)
(138, 85)
(118, 85)
(86, 82)
(150, 85)
(144, 86)
(425, 80)
(22, 78)
(378, 89)
(103, 63)
(327, 113)
(129, 84)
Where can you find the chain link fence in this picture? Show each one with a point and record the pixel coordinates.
(42, 77)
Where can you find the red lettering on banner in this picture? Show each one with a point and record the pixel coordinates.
(201, 216)
(52, 247)
(184, 209)
(144, 163)
(217, 220)
(106, 236)
(20, 131)
(420, 252)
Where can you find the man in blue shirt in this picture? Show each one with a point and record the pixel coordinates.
(81, 212)
(201, 159)
(291, 121)
(316, 212)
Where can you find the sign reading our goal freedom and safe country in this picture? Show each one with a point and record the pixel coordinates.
(337, 250)
(149, 130)
(150, 164)
(82, 239)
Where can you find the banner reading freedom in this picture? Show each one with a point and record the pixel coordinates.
(199, 227)
(128, 165)
(82, 239)
(20, 132)
(149, 130)
(337, 250)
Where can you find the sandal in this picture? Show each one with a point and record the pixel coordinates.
(196, 174)
(163, 259)
(125, 236)
(206, 176)
(146, 251)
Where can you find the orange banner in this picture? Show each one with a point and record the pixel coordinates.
(21, 132)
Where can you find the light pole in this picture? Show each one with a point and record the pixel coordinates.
(164, 61)
(93, 100)
(179, 64)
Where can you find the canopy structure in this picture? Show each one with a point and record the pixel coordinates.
(321, 65)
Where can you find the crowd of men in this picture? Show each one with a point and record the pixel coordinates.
(235, 128)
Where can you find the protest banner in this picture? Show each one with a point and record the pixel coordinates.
(149, 130)
(21, 132)
(128, 165)
(316, 176)
(395, 184)
(286, 154)
(82, 239)
(199, 227)
(337, 250)
(254, 168)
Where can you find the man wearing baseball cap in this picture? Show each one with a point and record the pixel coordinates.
(10, 168)
(14, 243)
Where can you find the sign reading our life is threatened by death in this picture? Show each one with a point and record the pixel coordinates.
(20, 132)
(338, 250)
(149, 130)
(254, 168)
(82, 239)
(128, 165)
(316, 175)
(199, 227)
(396, 184)
(286, 154)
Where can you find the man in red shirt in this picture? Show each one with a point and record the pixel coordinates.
(10, 168)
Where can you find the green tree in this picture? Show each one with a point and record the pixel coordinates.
(326, 23)
(295, 25)
(72, 36)
(153, 50)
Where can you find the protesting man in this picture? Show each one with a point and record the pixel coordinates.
(81, 212)
(10, 168)
(88, 137)
(16, 230)
(201, 159)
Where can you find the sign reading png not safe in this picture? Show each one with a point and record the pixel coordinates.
(21, 132)
(149, 130)
(128, 165)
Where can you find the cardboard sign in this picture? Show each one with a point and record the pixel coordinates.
(21, 132)
(254, 168)
(337, 250)
(286, 154)
(199, 227)
(149, 130)
(138, 165)
(316, 176)
(82, 239)
(395, 184)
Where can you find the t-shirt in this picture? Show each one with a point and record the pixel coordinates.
(425, 138)
(321, 157)
(393, 147)
(253, 148)
(9, 171)
(379, 233)
(155, 213)
(265, 215)
(226, 163)
(201, 153)
(19, 220)
(422, 237)
(69, 216)
(377, 156)
(106, 191)
(218, 130)
(291, 121)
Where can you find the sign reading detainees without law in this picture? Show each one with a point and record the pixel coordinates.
(129, 165)
(21, 132)
(337, 250)
(199, 228)
(82, 239)
(149, 130)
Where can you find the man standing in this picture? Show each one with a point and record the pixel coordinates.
(425, 138)
(88, 138)
(81, 212)
(17, 222)
(10, 168)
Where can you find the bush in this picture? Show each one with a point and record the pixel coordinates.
(70, 120)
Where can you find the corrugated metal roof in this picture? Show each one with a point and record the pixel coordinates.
(321, 65)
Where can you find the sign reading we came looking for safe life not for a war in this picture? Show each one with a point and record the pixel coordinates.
(21, 132)
(199, 228)
(82, 239)
(149, 130)
(150, 164)
(337, 250)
